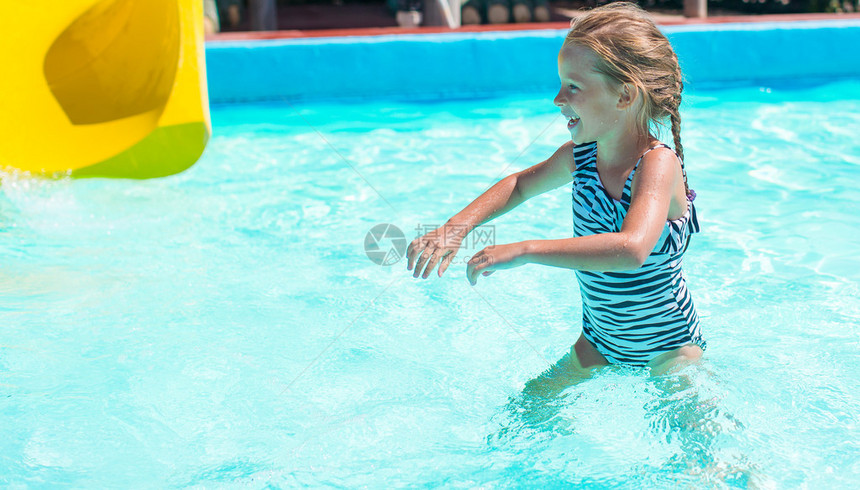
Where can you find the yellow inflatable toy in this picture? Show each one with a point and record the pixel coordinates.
(102, 88)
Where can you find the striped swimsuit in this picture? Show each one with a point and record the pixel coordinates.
(632, 316)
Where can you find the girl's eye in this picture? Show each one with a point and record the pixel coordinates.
(572, 86)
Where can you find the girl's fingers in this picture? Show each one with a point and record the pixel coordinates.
(431, 264)
(446, 261)
(469, 267)
(410, 253)
(414, 251)
(425, 256)
(473, 269)
(420, 257)
(478, 265)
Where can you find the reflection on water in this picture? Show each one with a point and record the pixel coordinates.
(686, 411)
(677, 417)
(538, 406)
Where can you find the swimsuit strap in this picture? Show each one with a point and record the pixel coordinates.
(691, 194)
(660, 145)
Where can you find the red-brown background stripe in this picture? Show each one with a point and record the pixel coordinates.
(377, 31)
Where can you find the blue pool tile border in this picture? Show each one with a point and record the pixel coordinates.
(433, 66)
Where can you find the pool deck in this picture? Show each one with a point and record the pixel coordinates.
(661, 19)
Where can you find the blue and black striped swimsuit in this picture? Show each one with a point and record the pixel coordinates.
(632, 316)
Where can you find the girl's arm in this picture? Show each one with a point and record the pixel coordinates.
(505, 195)
(517, 188)
(652, 190)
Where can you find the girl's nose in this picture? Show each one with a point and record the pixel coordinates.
(557, 100)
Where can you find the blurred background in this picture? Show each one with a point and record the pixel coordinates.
(269, 15)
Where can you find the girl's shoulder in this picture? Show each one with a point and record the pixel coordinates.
(563, 157)
(659, 155)
(659, 148)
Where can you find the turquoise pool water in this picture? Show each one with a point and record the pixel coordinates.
(224, 327)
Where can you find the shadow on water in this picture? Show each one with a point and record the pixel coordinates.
(677, 420)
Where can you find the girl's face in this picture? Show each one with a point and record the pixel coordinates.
(593, 106)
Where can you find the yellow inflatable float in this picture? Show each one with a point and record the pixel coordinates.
(102, 88)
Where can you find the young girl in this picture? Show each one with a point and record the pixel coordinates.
(632, 210)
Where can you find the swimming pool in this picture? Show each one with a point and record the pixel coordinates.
(224, 327)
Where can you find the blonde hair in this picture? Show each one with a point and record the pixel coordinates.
(630, 49)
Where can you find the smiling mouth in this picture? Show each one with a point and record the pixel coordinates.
(572, 121)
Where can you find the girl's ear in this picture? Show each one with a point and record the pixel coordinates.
(627, 96)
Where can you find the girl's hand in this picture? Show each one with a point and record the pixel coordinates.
(496, 257)
(440, 244)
